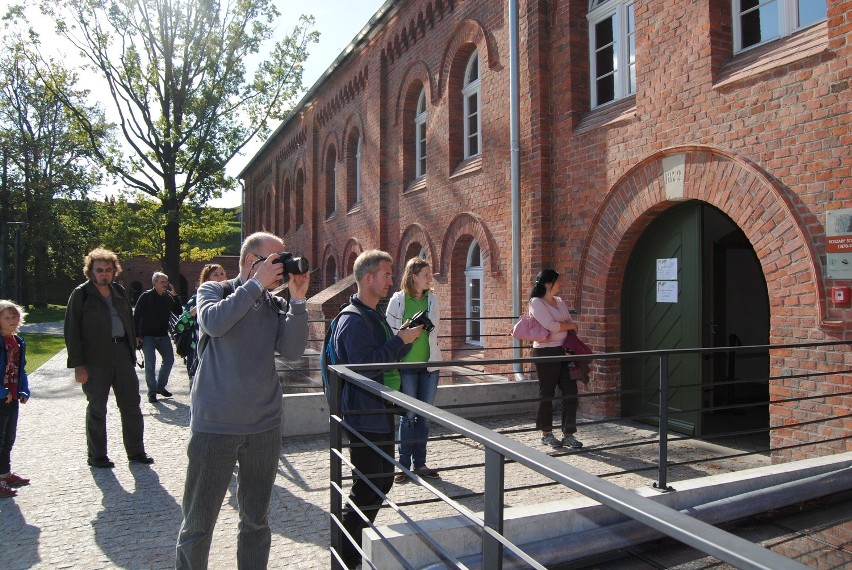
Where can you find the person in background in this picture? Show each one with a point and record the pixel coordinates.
(552, 313)
(14, 391)
(100, 338)
(151, 317)
(415, 296)
(210, 272)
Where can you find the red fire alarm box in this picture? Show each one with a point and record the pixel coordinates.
(841, 296)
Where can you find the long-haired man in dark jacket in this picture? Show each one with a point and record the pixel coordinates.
(101, 341)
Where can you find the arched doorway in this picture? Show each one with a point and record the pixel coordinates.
(717, 297)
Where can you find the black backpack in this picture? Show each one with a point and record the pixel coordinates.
(328, 356)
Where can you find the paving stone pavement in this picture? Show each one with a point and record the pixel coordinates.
(73, 516)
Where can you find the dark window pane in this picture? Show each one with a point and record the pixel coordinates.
(473, 145)
(760, 24)
(604, 33)
(606, 89)
(473, 72)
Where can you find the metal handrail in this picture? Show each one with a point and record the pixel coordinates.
(500, 449)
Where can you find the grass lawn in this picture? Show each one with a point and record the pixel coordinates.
(41, 348)
(49, 314)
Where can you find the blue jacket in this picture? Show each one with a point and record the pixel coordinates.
(357, 342)
(23, 381)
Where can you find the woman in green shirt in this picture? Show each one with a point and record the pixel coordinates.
(422, 383)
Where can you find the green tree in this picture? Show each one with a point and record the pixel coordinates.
(137, 228)
(177, 79)
(47, 159)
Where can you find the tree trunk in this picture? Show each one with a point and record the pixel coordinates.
(171, 263)
(5, 208)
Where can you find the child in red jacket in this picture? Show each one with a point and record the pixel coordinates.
(14, 390)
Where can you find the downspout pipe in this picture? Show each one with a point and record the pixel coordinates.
(515, 155)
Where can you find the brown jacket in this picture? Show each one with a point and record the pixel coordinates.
(88, 326)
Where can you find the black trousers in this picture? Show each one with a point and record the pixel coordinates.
(122, 380)
(551, 375)
(380, 472)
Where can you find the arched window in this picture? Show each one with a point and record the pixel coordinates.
(353, 169)
(330, 181)
(299, 205)
(420, 136)
(471, 113)
(473, 286)
(331, 276)
(612, 49)
(286, 208)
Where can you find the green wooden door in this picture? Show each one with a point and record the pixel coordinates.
(649, 324)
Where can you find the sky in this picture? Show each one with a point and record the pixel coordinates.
(338, 22)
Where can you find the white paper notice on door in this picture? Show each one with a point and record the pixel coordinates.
(667, 269)
(667, 291)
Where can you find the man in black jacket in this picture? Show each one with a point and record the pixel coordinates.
(151, 317)
(100, 338)
(358, 340)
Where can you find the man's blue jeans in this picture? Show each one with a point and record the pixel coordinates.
(212, 457)
(163, 345)
(413, 429)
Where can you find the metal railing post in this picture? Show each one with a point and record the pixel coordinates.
(335, 432)
(492, 549)
(662, 477)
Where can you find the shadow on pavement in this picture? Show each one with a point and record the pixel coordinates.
(132, 525)
(20, 540)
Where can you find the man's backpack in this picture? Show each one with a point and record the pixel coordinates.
(328, 356)
(182, 330)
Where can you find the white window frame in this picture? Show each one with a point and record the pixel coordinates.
(358, 170)
(420, 136)
(471, 92)
(788, 21)
(624, 49)
(472, 272)
(332, 172)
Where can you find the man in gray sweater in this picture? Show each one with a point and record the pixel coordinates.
(236, 401)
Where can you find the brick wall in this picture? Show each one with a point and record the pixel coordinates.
(764, 134)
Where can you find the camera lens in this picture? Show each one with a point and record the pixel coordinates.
(296, 265)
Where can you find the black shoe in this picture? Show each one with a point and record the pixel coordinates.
(141, 458)
(102, 462)
(152, 398)
(164, 393)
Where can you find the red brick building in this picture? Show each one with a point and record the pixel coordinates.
(689, 151)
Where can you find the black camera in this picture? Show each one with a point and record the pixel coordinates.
(421, 318)
(294, 265)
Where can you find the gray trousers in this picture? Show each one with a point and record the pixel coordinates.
(121, 378)
(212, 458)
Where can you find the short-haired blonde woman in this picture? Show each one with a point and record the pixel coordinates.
(422, 383)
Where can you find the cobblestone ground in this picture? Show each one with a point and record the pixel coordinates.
(72, 516)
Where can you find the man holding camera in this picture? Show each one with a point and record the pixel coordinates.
(236, 399)
(362, 338)
(151, 318)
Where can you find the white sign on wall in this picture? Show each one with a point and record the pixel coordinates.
(838, 244)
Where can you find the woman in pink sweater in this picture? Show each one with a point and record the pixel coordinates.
(551, 312)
